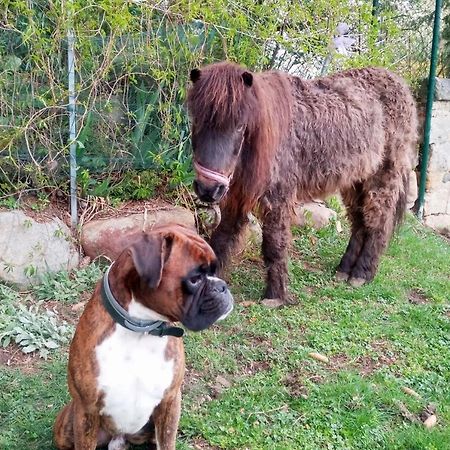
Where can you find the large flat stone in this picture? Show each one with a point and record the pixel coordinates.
(28, 249)
(315, 214)
(439, 222)
(442, 90)
(109, 237)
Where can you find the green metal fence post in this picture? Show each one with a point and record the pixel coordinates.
(430, 97)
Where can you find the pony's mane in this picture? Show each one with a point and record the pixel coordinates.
(217, 99)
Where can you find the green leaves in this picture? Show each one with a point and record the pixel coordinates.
(34, 330)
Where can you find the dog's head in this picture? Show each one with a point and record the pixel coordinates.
(171, 271)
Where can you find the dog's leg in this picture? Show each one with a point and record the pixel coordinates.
(225, 239)
(63, 428)
(85, 427)
(276, 238)
(118, 443)
(166, 417)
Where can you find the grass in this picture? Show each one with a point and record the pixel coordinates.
(251, 383)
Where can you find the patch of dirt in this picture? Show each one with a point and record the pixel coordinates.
(88, 208)
(384, 357)
(339, 362)
(201, 444)
(57, 207)
(293, 383)
(97, 208)
(254, 367)
(417, 297)
(70, 313)
(12, 356)
(314, 268)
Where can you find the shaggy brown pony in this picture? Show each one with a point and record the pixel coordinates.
(267, 139)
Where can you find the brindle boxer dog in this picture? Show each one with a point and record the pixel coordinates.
(126, 360)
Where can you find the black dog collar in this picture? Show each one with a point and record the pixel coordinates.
(120, 315)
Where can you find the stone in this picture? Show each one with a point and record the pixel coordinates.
(315, 214)
(437, 195)
(253, 232)
(109, 237)
(442, 89)
(29, 249)
(439, 222)
(437, 200)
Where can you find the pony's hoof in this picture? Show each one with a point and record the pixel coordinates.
(356, 282)
(273, 303)
(341, 276)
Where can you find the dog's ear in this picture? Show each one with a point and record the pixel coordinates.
(149, 256)
(195, 75)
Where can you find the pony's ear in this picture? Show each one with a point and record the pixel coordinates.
(149, 256)
(195, 75)
(248, 78)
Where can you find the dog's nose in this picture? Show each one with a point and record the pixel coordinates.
(209, 194)
(220, 287)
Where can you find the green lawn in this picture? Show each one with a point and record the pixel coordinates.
(251, 384)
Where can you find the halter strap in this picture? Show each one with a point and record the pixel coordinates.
(217, 176)
(211, 174)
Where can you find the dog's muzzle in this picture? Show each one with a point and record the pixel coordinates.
(210, 303)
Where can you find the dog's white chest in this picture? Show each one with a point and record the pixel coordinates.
(133, 375)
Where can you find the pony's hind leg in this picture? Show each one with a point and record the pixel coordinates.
(276, 238)
(353, 201)
(383, 206)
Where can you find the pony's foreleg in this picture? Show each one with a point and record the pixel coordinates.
(276, 239)
(225, 238)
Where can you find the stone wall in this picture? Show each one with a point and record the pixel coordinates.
(437, 195)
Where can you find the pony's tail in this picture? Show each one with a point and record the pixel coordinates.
(400, 207)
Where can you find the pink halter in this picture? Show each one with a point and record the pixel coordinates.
(216, 176)
(212, 175)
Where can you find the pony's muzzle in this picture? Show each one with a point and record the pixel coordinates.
(210, 193)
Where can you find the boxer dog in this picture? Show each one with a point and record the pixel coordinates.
(126, 360)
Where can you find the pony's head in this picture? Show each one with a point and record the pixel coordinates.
(220, 103)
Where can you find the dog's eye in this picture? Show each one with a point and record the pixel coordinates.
(193, 283)
(195, 280)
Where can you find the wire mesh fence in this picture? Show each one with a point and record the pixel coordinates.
(132, 64)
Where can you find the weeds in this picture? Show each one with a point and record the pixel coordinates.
(67, 287)
(32, 329)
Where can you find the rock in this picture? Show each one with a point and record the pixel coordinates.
(253, 233)
(208, 216)
(108, 237)
(319, 357)
(28, 249)
(315, 214)
(273, 303)
(439, 222)
(442, 89)
(410, 391)
(431, 421)
(437, 195)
